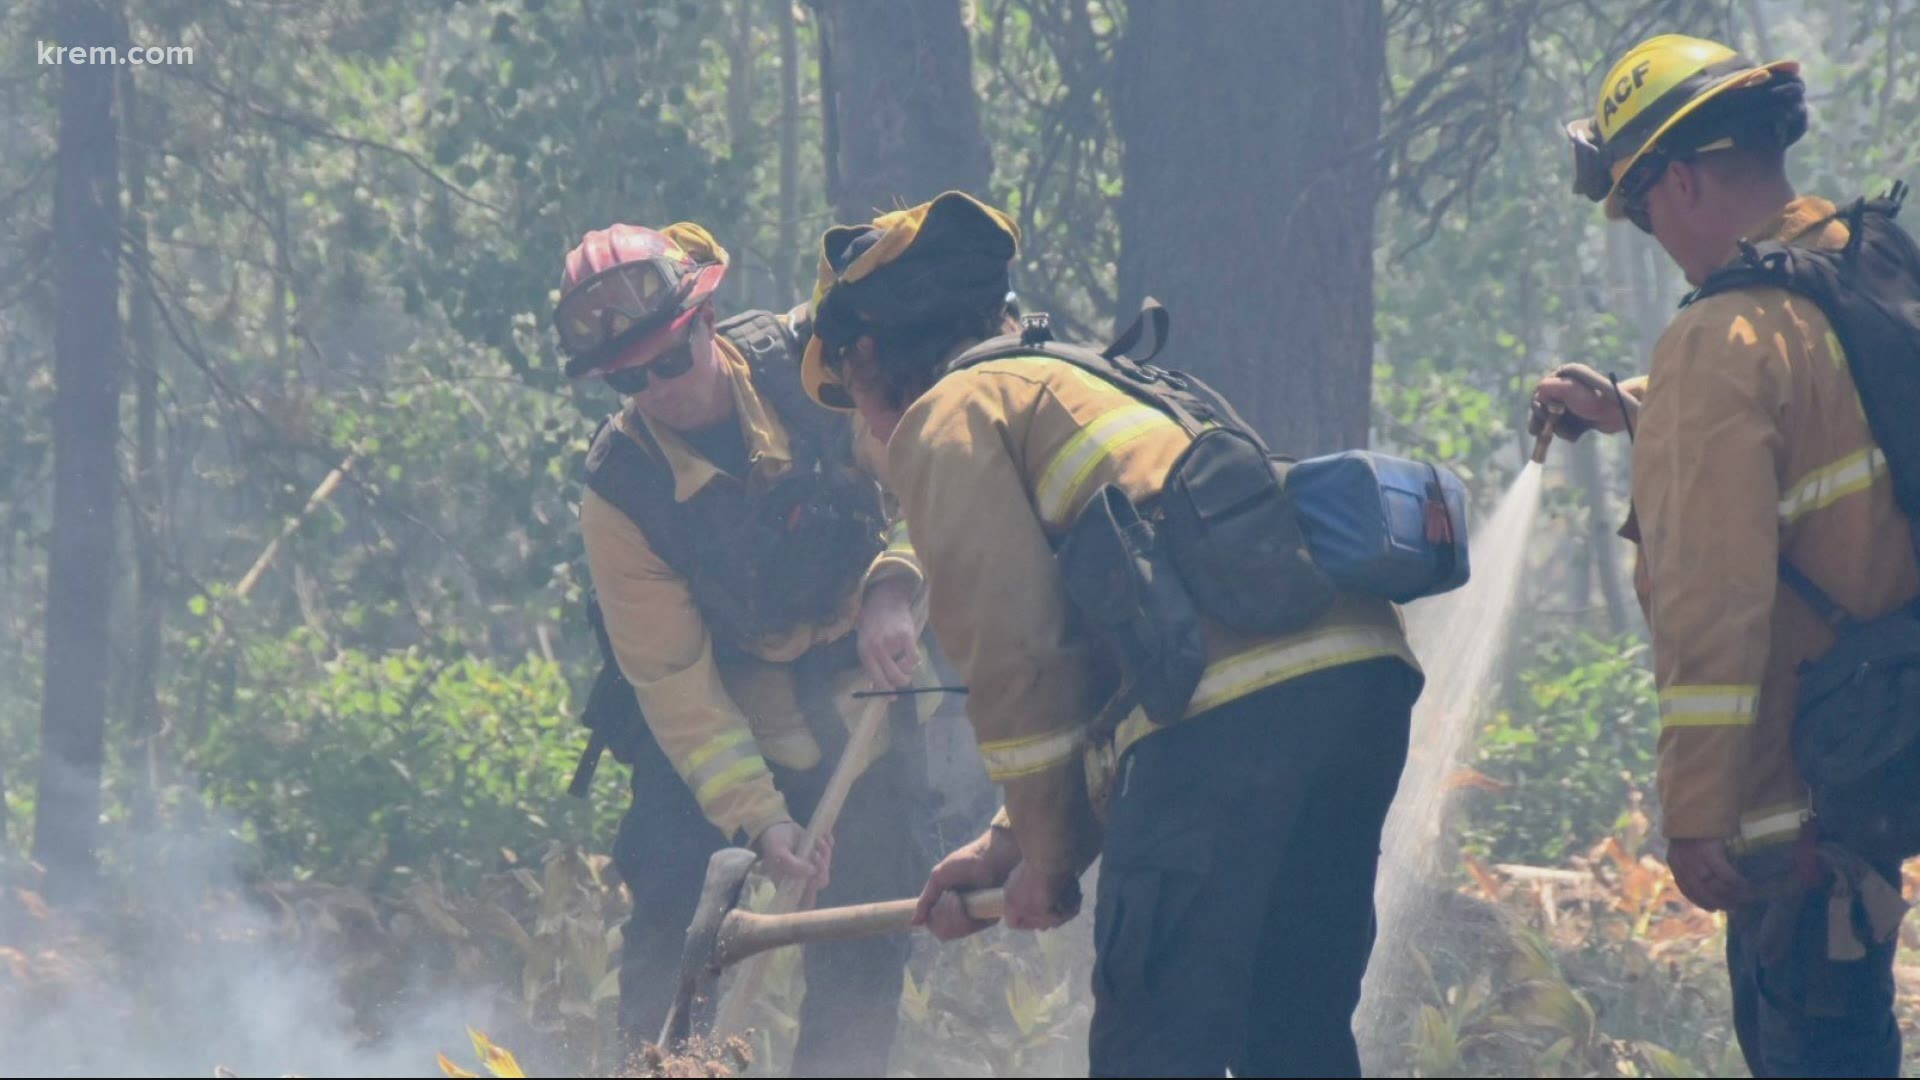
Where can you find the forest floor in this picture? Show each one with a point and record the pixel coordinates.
(1594, 968)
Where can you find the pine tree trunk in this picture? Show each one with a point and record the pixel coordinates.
(146, 505)
(1627, 274)
(896, 79)
(901, 125)
(740, 79)
(86, 423)
(784, 258)
(1602, 540)
(1248, 208)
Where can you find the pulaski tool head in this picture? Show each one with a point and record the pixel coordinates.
(726, 873)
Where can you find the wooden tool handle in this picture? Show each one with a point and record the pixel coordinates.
(731, 1014)
(826, 813)
(748, 933)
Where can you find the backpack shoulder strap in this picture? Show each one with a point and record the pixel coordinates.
(772, 345)
(765, 339)
(1768, 264)
(639, 485)
(1163, 390)
(1865, 288)
(1812, 272)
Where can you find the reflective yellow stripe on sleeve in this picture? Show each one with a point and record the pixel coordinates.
(1009, 759)
(1058, 492)
(721, 763)
(1829, 484)
(1709, 706)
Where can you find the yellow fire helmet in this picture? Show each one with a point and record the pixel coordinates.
(1660, 83)
(905, 268)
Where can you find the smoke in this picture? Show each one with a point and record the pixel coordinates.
(175, 968)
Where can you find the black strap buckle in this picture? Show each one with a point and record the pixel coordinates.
(1035, 329)
(763, 345)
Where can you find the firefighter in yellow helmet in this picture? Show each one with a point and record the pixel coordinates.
(1241, 836)
(1751, 455)
(744, 586)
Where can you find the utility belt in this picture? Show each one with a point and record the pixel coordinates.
(1254, 542)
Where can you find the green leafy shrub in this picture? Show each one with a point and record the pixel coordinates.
(1570, 755)
(355, 767)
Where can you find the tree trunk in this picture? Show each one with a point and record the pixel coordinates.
(86, 423)
(1603, 543)
(1250, 178)
(1624, 285)
(146, 505)
(740, 132)
(789, 150)
(896, 80)
(901, 125)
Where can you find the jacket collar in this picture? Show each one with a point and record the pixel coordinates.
(769, 448)
(1792, 222)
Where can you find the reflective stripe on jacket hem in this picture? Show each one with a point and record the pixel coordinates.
(1288, 658)
(1009, 759)
(1709, 706)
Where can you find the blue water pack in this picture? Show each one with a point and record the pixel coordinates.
(1382, 525)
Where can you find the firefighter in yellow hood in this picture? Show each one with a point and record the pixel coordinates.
(1751, 448)
(1239, 846)
(744, 585)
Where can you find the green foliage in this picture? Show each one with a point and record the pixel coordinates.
(1570, 755)
(353, 767)
(555, 124)
(1434, 416)
(1045, 67)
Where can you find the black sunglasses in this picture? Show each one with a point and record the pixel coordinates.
(1645, 175)
(1638, 183)
(669, 365)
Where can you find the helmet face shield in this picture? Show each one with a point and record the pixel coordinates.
(615, 302)
(1591, 177)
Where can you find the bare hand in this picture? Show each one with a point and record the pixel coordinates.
(889, 635)
(980, 864)
(1706, 874)
(1041, 899)
(1586, 395)
(778, 848)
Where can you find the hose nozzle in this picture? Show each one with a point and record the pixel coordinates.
(1555, 411)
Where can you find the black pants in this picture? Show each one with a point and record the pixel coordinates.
(1798, 1013)
(852, 1004)
(1235, 908)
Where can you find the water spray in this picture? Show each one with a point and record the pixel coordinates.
(1461, 639)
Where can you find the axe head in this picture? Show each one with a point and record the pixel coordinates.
(726, 873)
